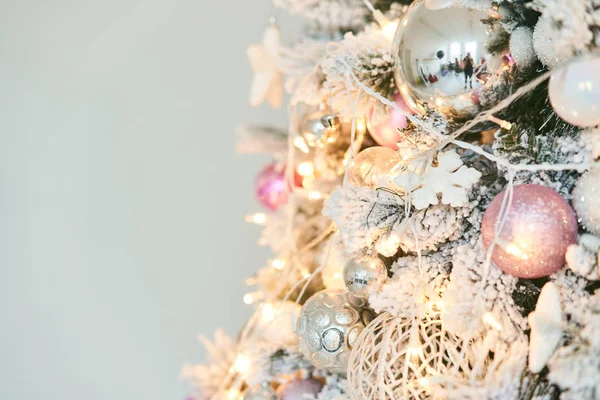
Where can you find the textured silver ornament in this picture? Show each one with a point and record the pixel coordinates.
(521, 46)
(364, 274)
(260, 392)
(448, 82)
(586, 200)
(328, 326)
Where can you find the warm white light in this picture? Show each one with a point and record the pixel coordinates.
(361, 125)
(248, 298)
(241, 364)
(315, 195)
(233, 394)
(423, 381)
(389, 29)
(268, 312)
(258, 218)
(300, 144)
(489, 319)
(388, 245)
(306, 168)
(278, 264)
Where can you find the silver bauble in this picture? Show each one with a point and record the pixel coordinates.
(586, 200)
(321, 128)
(329, 324)
(458, 32)
(364, 274)
(260, 392)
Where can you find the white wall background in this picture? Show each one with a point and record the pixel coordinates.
(121, 197)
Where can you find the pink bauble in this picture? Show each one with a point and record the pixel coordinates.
(475, 96)
(386, 133)
(300, 389)
(270, 186)
(535, 235)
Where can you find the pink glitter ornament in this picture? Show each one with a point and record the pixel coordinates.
(271, 188)
(386, 133)
(299, 389)
(535, 235)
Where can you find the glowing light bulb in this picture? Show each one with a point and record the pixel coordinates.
(234, 394)
(361, 125)
(241, 364)
(258, 218)
(248, 298)
(268, 312)
(315, 195)
(389, 30)
(306, 168)
(301, 145)
(278, 264)
(388, 246)
(489, 319)
(423, 381)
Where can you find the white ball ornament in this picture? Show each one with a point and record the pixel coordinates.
(521, 46)
(329, 324)
(586, 200)
(575, 92)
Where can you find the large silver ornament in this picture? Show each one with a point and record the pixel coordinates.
(466, 65)
(364, 274)
(328, 326)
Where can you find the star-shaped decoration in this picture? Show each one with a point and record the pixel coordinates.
(546, 324)
(449, 178)
(268, 79)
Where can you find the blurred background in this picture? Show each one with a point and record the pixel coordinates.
(122, 201)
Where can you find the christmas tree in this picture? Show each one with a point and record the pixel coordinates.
(432, 207)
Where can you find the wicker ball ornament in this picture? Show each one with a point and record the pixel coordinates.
(396, 358)
(328, 326)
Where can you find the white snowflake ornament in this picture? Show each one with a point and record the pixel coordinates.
(546, 324)
(268, 79)
(450, 178)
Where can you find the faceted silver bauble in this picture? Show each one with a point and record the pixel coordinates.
(586, 200)
(364, 274)
(457, 31)
(260, 392)
(328, 326)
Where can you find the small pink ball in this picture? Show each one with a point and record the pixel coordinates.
(386, 133)
(299, 389)
(475, 96)
(270, 186)
(534, 239)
